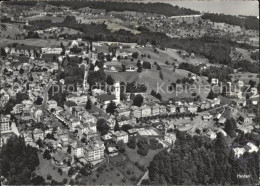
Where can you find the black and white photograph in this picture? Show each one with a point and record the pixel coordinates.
(129, 92)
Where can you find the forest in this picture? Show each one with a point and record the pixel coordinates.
(197, 160)
(248, 22)
(159, 8)
(216, 49)
(18, 163)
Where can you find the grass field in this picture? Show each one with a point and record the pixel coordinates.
(142, 160)
(53, 19)
(33, 42)
(11, 30)
(46, 168)
(154, 82)
(127, 167)
(110, 175)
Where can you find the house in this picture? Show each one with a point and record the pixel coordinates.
(68, 106)
(155, 110)
(73, 123)
(112, 151)
(77, 149)
(214, 81)
(87, 118)
(136, 112)
(222, 121)
(120, 135)
(132, 132)
(123, 112)
(5, 123)
(94, 151)
(212, 135)
(171, 108)
(52, 104)
(79, 100)
(206, 117)
(170, 138)
(146, 111)
(62, 134)
(163, 109)
(254, 99)
(38, 134)
(192, 108)
(105, 99)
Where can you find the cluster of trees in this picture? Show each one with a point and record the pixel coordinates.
(156, 95)
(102, 126)
(249, 22)
(255, 55)
(18, 162)
(197, 160)
(32, 34)
(222, 73)
(216, 49)
(138, 100)
(159, 8)
(185, 80)
(135, 87)
(230, 127)
(143, 146)
(13, 101)
(247, 66)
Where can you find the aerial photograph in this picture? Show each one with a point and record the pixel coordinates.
(129, 92)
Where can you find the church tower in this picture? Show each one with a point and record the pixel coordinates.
(117, 91)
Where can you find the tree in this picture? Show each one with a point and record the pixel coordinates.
(111, 107)
(110, 80)
(126, 127)
(230, 127)
(21, 71)
(120, 146)
(102, 126)
(38, 180)
(88, 104)
(132, 142)
(60, 171)
(138, 100)
(69, 149)
(135, 55)
(47, 154)
(116, 128)
(3, 53)
(123, 68)
(211, 95)
(38, 101)
(18, 161)
(71, 171)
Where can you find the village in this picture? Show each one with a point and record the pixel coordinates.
(101, 110)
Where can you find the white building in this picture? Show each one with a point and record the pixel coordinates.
(5, 123)
(120, 135)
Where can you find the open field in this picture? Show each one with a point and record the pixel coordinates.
(154, 82)
(39, 17)
(11, 30)
(46, 168)
(142, 160)
(108, 176)
(126, 167)
(33, 42)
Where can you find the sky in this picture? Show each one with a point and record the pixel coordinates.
(232, 7)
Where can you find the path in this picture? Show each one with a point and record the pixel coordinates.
(45, 95)
(145, 176)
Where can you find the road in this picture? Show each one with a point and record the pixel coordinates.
(45, 95)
